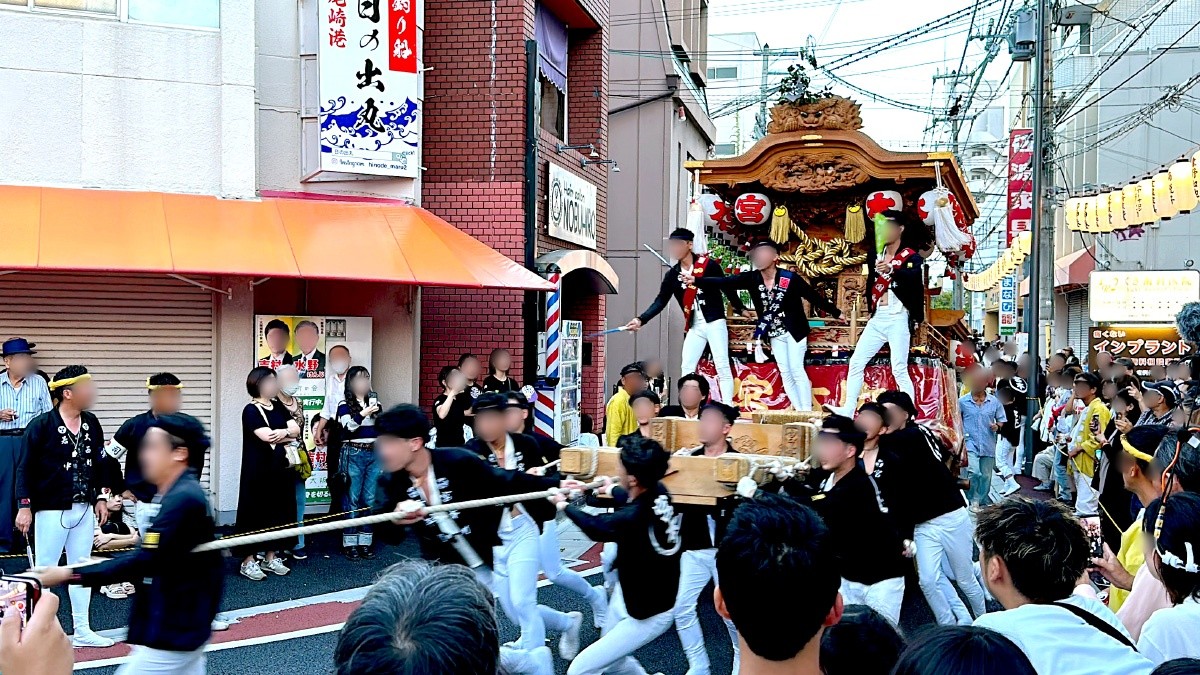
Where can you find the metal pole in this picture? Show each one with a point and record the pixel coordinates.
(760, 124)
(1042, 180)
(531, 304)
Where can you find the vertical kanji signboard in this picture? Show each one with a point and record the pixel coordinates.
(370, 87)
(1020, 183)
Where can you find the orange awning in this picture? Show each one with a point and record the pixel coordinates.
(109, 231)
(1070, 270)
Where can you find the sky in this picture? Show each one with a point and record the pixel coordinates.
(840, 27)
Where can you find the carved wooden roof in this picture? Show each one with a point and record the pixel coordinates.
(821, 162)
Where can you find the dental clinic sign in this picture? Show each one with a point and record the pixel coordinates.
(370, 87)
(572, 208)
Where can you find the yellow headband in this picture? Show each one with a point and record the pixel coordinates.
(59, 384)
(152, 387)
(1134, 451)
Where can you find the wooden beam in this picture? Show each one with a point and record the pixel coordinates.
(690, 480)
(793, 439)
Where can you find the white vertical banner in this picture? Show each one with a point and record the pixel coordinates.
(370, 87)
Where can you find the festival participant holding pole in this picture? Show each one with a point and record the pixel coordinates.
(515, 574)
(178, 591)
(897, 302)
(703, 312)
(416, 476)
(778, 297)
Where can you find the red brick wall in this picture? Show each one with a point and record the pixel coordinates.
(473, 153)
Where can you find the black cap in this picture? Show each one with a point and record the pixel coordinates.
(490, 402)
(844, 429)
(731, 413)
(1090, 378)
(191, 431)
(765, 241)
(635, 367)
(1006, 361)
(1166, 389)
(682, 234)
(646, 394)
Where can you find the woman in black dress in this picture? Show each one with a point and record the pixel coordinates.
(267, 497)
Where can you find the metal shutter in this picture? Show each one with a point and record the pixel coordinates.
(123, 328)
(1078, 321)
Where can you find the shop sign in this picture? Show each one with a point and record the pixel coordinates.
(1146, 346)
(1008, 305)
(1141, 296)
(370, 87)
(304, 342)
(572, 208)
(1020, 183)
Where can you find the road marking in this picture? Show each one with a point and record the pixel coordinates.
(233, 644)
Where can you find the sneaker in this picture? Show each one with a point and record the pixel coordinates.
(1043, 487)
(843, 410)
(219, 625)
(568, 644)
(114, 591)
(299, 554)
(1011, 486)
(599, 606)
(351, 552)
(252, 571)
(276, 566)
(543, 660)
(366, 552)
(87, 638)
(129, 588)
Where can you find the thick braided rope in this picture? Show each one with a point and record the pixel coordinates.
(818, 258)
(249, 539)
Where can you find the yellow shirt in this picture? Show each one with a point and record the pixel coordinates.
(620, 419)
(1131, 556)
(1086, 440)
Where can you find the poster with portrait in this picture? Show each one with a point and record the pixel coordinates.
(313, 344)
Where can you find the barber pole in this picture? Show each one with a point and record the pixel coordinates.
(543, 410)
(553, 325)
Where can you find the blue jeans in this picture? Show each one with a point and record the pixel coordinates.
(301, 498)
(363, 467)
(981, 469)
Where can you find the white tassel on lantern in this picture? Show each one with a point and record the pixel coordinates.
(695, 223)
(937, 211)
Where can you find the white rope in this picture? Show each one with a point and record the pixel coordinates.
(249, 539)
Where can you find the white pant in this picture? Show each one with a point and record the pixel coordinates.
(514, 580)
(72, 531)
(789, 356)
(146, 661)
(885, 597)
(1043, 465)
(1005, 457)
(608, 558)
(716, 336)
(695, 570)
(1087, 500)
(550, 558)
(621, 636)
(945, 542)
(889, 326)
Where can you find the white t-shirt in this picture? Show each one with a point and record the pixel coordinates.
(1172, 633)
(1058, 642)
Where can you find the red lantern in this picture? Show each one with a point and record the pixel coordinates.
(883, 200)
(752, 208)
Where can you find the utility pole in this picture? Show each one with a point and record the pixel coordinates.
(767, 54)
(1043, 212)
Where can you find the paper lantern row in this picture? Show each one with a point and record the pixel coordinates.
(1162, 196)
(1012, 258)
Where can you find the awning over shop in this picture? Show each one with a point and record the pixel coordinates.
(1071, 270)
(599, 277)
(111, 231)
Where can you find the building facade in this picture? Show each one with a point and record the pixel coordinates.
(735, 84)
(1130, 116)
(658, 121)
(501, 178)
(190, 189)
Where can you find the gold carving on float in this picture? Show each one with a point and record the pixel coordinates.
(835, 112)
(813, 173)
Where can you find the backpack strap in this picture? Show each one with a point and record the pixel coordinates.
(1097, 623)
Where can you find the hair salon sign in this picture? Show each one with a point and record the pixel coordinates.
(572, 208)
